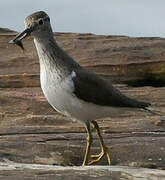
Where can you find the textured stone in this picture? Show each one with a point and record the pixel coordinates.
(119, 58)
(31, 132)
(16, 171)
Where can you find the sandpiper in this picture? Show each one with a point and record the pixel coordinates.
(69, 88)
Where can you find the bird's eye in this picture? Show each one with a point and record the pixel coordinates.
(40, 22)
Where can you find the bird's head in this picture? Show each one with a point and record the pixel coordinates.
(36, 25)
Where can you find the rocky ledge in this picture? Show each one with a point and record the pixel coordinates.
(38, 142)
(16, 171)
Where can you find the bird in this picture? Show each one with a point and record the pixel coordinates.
(71, 89)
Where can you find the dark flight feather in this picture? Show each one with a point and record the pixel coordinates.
(92, 88)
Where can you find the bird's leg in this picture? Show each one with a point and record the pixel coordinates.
(104, 150)
(89, 142)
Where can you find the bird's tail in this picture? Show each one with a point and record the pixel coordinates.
(154, 112)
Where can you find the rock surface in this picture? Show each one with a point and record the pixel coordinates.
(119, 58)
(16, 171)
(32, 132)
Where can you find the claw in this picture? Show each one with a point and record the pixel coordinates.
(100, 156)
(96, 155)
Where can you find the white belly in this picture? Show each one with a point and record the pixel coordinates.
(59, 94)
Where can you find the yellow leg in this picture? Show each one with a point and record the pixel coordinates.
(89, 142)
(104, 150)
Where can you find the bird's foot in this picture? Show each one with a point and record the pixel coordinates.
(97, 155)
(96, 158)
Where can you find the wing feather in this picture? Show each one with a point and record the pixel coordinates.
(92, 88)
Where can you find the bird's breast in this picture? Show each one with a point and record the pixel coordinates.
(57, 90)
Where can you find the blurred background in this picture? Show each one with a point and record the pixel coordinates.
(115, 17)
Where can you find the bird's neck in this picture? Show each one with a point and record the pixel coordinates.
(51, 55)
(46, 48)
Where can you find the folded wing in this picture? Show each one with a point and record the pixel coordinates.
(91, 88)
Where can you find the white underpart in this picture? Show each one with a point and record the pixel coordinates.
(59, 93)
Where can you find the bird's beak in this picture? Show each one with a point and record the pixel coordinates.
(21, 36)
